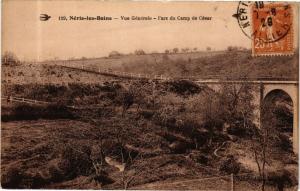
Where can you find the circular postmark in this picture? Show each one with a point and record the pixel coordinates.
(243, 17)
(267, 21)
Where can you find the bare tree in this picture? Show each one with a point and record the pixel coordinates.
(264, 142)
(135, 95)
(185, 50)
(114, 54)
(127, 100)
(127, 178)
(259, 150)
(261, 146)
(139, 52)
(9, 58)
(175, 50)
(237, 102)
(129, 155)
(211, 106)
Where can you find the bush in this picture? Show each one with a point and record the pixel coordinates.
(56, 174)
(183, 87)
(12, 179)
(33, 112)
(281, 179)
(114, 54)
(230, 165)
(9, 58)
(103, 177)
(240, 131)
(139, 52)
(178, 147)
(199, 157)
(76, 161)
(15, 178)
(147, 114)
(284, 142)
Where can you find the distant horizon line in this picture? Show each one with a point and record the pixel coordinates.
(180, 51)
(130, 54)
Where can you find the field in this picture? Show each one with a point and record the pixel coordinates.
(220, 64)
(115, 133)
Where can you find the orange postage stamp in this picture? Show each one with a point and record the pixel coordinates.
(272, 29)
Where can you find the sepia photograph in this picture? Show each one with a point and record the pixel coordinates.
(150, 95)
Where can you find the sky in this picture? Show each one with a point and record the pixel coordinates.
(31, 39)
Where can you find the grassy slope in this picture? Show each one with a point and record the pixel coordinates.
(199, 65)
(39, 74)
(234, 64)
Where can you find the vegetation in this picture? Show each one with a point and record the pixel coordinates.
(114, 54)
(235, 64)
(139, 52)
(34, 112)
(9, 58)
(129, 133)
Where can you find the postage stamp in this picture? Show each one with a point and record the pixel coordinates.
(268, 25)
(272, 29)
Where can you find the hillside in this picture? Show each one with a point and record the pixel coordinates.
(172, 132)
(45, 74)
(221, 64)
(107, 132)
(217, 65)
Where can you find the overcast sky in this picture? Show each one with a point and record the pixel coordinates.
(30, 38)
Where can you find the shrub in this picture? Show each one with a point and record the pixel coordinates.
(33, 112)
(199, 157)
(18, 88)
(183, 87)
(76, 161)
(55, 174)
(114, 54)
(103, 177)
(12, 178)
(282, 178)
(110, 87)
(240, 131)
(284, 142)
(230, 165)
(9, 58)
(178, 147)
(147, 114)
(139, 52)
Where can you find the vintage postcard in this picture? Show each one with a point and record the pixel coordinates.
(150, 95)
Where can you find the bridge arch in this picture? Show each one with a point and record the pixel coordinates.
(273, 94)
(290, 90)
(290, 94)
